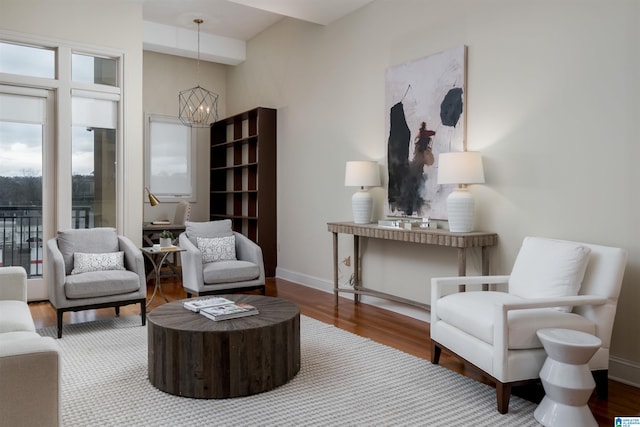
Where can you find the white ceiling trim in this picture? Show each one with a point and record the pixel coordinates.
(178, 41)
(322, 12)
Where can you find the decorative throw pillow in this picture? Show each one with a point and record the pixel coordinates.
(548, 268)
(84, 263)
(217, 248)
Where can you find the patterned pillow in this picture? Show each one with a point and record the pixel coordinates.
(84, 263)
(217, 248)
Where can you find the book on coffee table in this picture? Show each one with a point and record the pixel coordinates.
(198, 304)
(229, 311)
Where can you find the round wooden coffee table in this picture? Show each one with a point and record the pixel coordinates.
(193, 356)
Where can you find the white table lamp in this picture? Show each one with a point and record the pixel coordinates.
(460, 168)
(362, 174)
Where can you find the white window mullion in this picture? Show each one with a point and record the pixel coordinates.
(63, 158)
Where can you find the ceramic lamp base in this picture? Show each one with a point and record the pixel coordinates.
(362, 205)
(460, 208)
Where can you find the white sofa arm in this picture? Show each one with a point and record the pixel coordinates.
(13, 283)
(30, 385)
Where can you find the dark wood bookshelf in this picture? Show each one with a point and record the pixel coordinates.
(243, 178)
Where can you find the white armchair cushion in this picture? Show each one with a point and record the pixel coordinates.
(217, 248)
(474, 313)
(84, 263)
(548, 268)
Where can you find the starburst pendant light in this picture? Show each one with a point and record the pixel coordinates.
(198, 106)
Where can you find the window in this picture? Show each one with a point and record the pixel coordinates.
(169, 158)
(93, 69)
(27, 60)
(93, 159)
(60, 145)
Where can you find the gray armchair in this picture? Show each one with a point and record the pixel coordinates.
(97, 283)
(245, 271)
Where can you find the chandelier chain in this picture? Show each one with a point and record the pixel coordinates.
(198, 21)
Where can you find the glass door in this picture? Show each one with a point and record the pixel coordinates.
(24, 220)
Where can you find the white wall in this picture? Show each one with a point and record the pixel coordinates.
(164, 77)
(115, 25)
(553, 105)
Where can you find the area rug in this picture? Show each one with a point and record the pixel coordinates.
(344, 380)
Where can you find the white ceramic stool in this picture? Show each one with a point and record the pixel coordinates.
(566, 378)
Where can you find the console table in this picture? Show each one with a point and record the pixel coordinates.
(437, 237)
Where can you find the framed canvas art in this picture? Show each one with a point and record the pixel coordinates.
(426, 109)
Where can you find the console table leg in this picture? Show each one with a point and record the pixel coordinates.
(356, 268)
(462, 266)
(335, 268)
(485, 266)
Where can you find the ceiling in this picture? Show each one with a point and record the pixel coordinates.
(228, 24)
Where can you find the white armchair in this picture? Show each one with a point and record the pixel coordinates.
(554, 283)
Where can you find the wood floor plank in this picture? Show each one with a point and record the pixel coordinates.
(395, 330)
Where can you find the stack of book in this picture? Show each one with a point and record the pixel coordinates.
(229, 311)
(197, 304)
(218, 308)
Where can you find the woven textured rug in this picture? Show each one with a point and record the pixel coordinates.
(344, 379)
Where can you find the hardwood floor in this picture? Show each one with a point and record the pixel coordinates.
(389, 328)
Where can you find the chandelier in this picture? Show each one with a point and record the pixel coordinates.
(198, 106)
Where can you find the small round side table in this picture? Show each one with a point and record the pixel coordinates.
(566, 378)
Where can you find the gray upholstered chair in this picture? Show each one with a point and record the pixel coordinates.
(553, 284)
(94, 268)
(218, 260)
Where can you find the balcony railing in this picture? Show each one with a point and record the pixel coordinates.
(21, 235)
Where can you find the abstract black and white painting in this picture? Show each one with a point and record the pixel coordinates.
(425, 105)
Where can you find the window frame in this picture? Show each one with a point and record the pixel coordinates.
(191, 162)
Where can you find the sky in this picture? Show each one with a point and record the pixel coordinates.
(21, 143)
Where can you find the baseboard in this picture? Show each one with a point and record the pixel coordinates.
(327, 286)
(624, 371)
(621, 370)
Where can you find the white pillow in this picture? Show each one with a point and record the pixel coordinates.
(84, 262)
(548, 268)
(217, 248)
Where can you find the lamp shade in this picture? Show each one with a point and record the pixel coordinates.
(153, 200)
(362, 174)
(463, 167)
